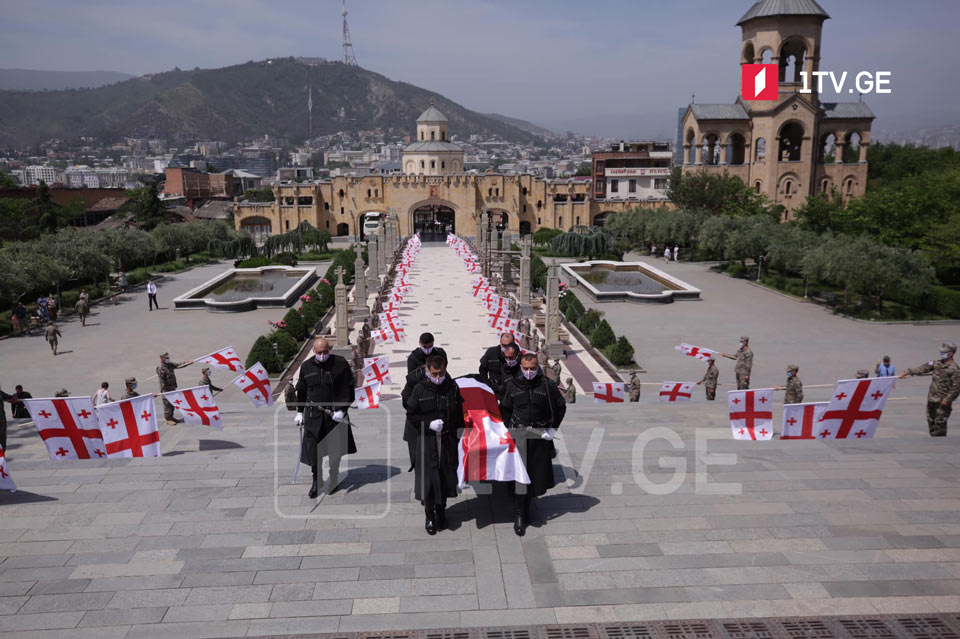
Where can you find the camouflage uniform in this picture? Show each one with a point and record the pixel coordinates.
(556, 371)
(82, 310)
(206, 381)
(634, 388)
(570, 393)
(944, 388)
(709, 380)
(52, 335)
(794, 394)
(863, 374)
(166, 373)
(743, 366)
(130, 381)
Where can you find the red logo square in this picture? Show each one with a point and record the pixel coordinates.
(759, 82)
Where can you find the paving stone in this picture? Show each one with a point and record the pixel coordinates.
(376, 606)
(190, 630)
(227, 594)
(311, 608)
(148, 598)
(412, 621)
(292, 592)
(199, 613)
(58, 587)
(134, 583)
(122, 617)
(489, 578)
(250, 611)
(59, 603)
(40, 621)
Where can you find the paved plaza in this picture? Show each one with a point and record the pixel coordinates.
(661, 515)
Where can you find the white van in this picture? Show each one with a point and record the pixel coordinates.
(371, 224)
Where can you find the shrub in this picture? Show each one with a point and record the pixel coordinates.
(253, 262)
(942, 301)
(170, 267)
(576, 304)
(312, 312)
(589, 321)
(544, 235)
(137, 276)
(571, 314)
(538, 273)
(735, 269)
(262, 351)
(284, 259)
(602, 336)
(286, 345)
(621, 352)
(295, 325)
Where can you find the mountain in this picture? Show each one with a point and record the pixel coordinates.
(33, 80)
(236, 103)
(529, 127)
(641, 125)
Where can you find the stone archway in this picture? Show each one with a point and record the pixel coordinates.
(259, 227)
(433, 219)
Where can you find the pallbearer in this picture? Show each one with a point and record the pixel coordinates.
(492, 362)
(418, 357)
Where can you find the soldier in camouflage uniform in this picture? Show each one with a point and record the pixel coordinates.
(131, 391)
(570, 392)
(206, 381)
(794, 386)
(710, 379)
(556, 371)
(744, 359)
(863, 374)
(168, 382)
(944, 388)
(634, 387)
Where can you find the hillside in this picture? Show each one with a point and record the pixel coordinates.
(34, 80)
(235, 103)
(527, 126)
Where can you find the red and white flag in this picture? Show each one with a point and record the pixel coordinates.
(382, 336)
(391, 307)
(506, 325)
(129, 427)
(387, 317)
(384, 361)
(487, 450)
(702, 354)
(68, 427)
(225, 358)
(855, 408)
(6, 481)
(395, 330)
(255, 384)
(368, 396)
(197, 406)
(801, 420)
(676, 391)
(378, 371)
(609, 392)
(751, 413)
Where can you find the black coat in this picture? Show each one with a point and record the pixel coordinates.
(491, 365)
(326, 386)
(436, 467)
(528, 408)
(417, 358)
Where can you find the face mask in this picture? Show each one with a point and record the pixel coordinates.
(134, 387)
(436, 380)
(529, 374)
(322, 357)
(741, 344)
(944, 355)
(426, 349)
(788, 374)
(511, 362)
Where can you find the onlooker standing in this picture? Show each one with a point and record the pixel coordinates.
(52, 335)
(4, 397)
(666, 253)
(886, 369)
(42, 308)
(52, 307)
(19, 318)
(85, 296)
(82, 310)
(653, 250)
(152, 295)
(676, 253)
(19, 408)
(102, 396)
(122, 282)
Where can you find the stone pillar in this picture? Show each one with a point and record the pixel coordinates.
(360, 310)
(373, 272)
(381, 254)
(526, 309)
(480, 233)
(342, 332)
(552, 320)
(507, 263)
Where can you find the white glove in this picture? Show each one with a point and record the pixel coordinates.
(337, 416)
(436, 425)
(298, 419)
(549, 434)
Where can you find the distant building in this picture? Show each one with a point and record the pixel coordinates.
(193, 184)
(33, 174)
(432, 153)
(294, 173)
(632, 171)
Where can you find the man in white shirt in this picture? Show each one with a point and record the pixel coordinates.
(152, 295)
(102, 396)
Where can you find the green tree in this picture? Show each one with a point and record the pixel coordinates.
(296, 327)
(716, 194)
(821, 212)
(7, 181)
(262, 351)
(584, 169)
(602, 336)
(146, 207)
(583, 242)
(621, 352)
(544, 234)
(258, 195)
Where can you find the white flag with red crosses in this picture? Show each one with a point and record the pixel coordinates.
(383, 361)
(6, 481)
(129, 427)
(383, 336)
(378, 371)
(387, 317)
(255, 384)
(751, 413)
(487, 450)
(702, 354)
(800, 420)
(225, 358)
(855, 407)
(197, 406)
(368, 396)
(676, 391)
(609, 392)
(68, 427)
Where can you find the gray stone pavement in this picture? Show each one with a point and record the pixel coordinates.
(213, 539)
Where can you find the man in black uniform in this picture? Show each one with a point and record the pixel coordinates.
(436, 407)
(418, 357)
(491, 364)
(325, 390)
(511, 365)
(532, 409)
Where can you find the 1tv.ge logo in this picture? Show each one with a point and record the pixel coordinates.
(761, 81)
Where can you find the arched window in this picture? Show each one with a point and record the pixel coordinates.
(849, 186)
(539, 205)
(747, 57)
(433, 164)
(341, 193)
(766, 56)
(423, 164)
(692, 152)
(761, 146)
(793, 54)
(851, 149)
(736, 149)
(827, 153)
(787, 187)
(825, 186)
(443, 136)
(711, 149)
(791, 142)
(433, 135)
(443, 165)
(756, 187)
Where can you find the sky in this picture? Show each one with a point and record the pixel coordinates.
(564, 64)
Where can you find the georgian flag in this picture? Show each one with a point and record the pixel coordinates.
(855, 407)
(609, 392)
(6, 481)
(487, 450)
(368, 396)
(68, 427)
(386, 318)
(225, 358)
(676, 391)
(702, 354)
(382, 361)
(391, 307)
(505, 325)
(801, 420)
(197, 406)
(382, 336)
(129, 427)
(255, 384)
(751, 413)
(376, 372)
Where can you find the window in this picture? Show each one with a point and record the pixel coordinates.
(660, 183)
(341, 192)
(421, 135)
(423, 164)
(498, 192)
(538, 220)
(524, 208)
(326, 206)
(489, 192)
(560, 222)
(614, 186)
(633, 186)
(443, 165)
(287, 224)
(433, 164)
(756, 187)
(341, 210)
(787, 187)
(369, 193)
(578, 220)
(443, 136)
(376, 193)
(433, 135)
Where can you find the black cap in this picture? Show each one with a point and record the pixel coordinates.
(426, 338)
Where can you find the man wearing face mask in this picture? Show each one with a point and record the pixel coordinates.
(511, 365)
(744, 359)
(418, 357)
(324, 394)
(492, 362)
(166, 373)
(794, 387)
(436, 407)
(131, 391)
(944, 388)
(532, 409)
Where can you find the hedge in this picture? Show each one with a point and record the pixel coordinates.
(295, 325)
(344, 259)
(621, 352)
(602, 336)
(262, 351)
(942, 301)
(286, 345)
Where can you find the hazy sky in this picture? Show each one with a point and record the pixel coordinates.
(553, 62)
